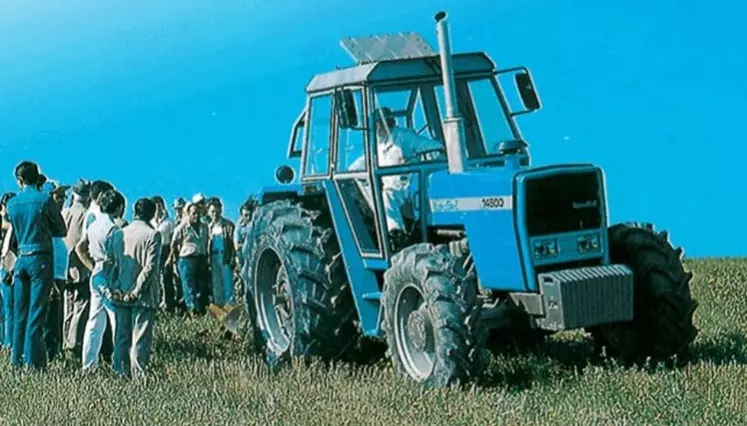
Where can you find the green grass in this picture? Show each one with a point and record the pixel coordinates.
(201, 379)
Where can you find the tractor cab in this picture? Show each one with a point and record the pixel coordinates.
(376, 130)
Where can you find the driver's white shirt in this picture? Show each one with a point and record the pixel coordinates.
(403, 144)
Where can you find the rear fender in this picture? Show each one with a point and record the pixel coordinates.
(269, 194)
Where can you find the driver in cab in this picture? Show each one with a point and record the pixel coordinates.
(396, 146)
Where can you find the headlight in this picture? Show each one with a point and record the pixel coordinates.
(545, 248)
(588, 243)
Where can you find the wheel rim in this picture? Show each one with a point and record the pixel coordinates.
(413, 333)
(274, 304)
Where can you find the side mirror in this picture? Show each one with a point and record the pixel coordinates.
(284, 174)
(526, 90)
(347, 115)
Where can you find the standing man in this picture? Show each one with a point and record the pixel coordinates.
(163, 225)
(222, 255)
(138, 282)
(53, 331)
(179, 217)
(98, 187)
(7, 253)
(76, 292)
(189, 245)
(243, 227)
(178, 206)
(98, 250)
(35, 219)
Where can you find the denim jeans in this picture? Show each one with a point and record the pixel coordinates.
(100, 315)
(6, 315)
(132, 339)
(32, 282)
(222, 281)
(192, 274)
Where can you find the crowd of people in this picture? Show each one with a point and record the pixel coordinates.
(80, 278)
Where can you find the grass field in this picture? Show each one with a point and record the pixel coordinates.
(200, 378)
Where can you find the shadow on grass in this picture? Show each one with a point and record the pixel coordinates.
(521, 369)
(720, 349)
(518, 369)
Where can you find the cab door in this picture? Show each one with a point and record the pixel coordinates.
(351, 171)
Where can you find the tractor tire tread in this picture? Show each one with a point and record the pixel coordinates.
(453, 306)
(321, 328)
(664, 307)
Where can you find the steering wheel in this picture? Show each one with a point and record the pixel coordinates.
(428, 154)
(425, 126)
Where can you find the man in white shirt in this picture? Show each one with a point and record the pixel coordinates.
(165, 228)
(101, 251)
(396, 146)
(104, 338)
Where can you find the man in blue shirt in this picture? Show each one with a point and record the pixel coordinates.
(35, 219)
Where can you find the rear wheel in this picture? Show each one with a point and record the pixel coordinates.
(432, 317)
(296, 292)
(663, 325)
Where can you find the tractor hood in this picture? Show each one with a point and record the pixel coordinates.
(452, 195)
(490, 206)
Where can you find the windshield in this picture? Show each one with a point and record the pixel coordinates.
(411, 116)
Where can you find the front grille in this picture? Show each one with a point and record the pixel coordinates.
(563, 203)
(585, 297)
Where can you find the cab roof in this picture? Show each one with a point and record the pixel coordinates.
(391, 57)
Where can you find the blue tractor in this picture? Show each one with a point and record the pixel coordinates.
(437, 237)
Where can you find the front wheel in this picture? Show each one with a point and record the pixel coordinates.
(663, 323)
(432, 317)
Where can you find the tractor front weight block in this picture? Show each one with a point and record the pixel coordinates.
(585, 297)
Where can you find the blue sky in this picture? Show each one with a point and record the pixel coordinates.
(176, 97)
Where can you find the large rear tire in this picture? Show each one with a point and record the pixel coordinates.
(432, 317)
(663, 323)
(296, 287)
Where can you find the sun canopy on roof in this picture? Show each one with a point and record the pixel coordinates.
(392, 57)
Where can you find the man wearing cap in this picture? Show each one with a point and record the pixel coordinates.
(35, 219)
(77, 291)
(189, 247)
(201, 202)
(58, 192)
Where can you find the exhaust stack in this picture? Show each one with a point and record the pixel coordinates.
(453, 125)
